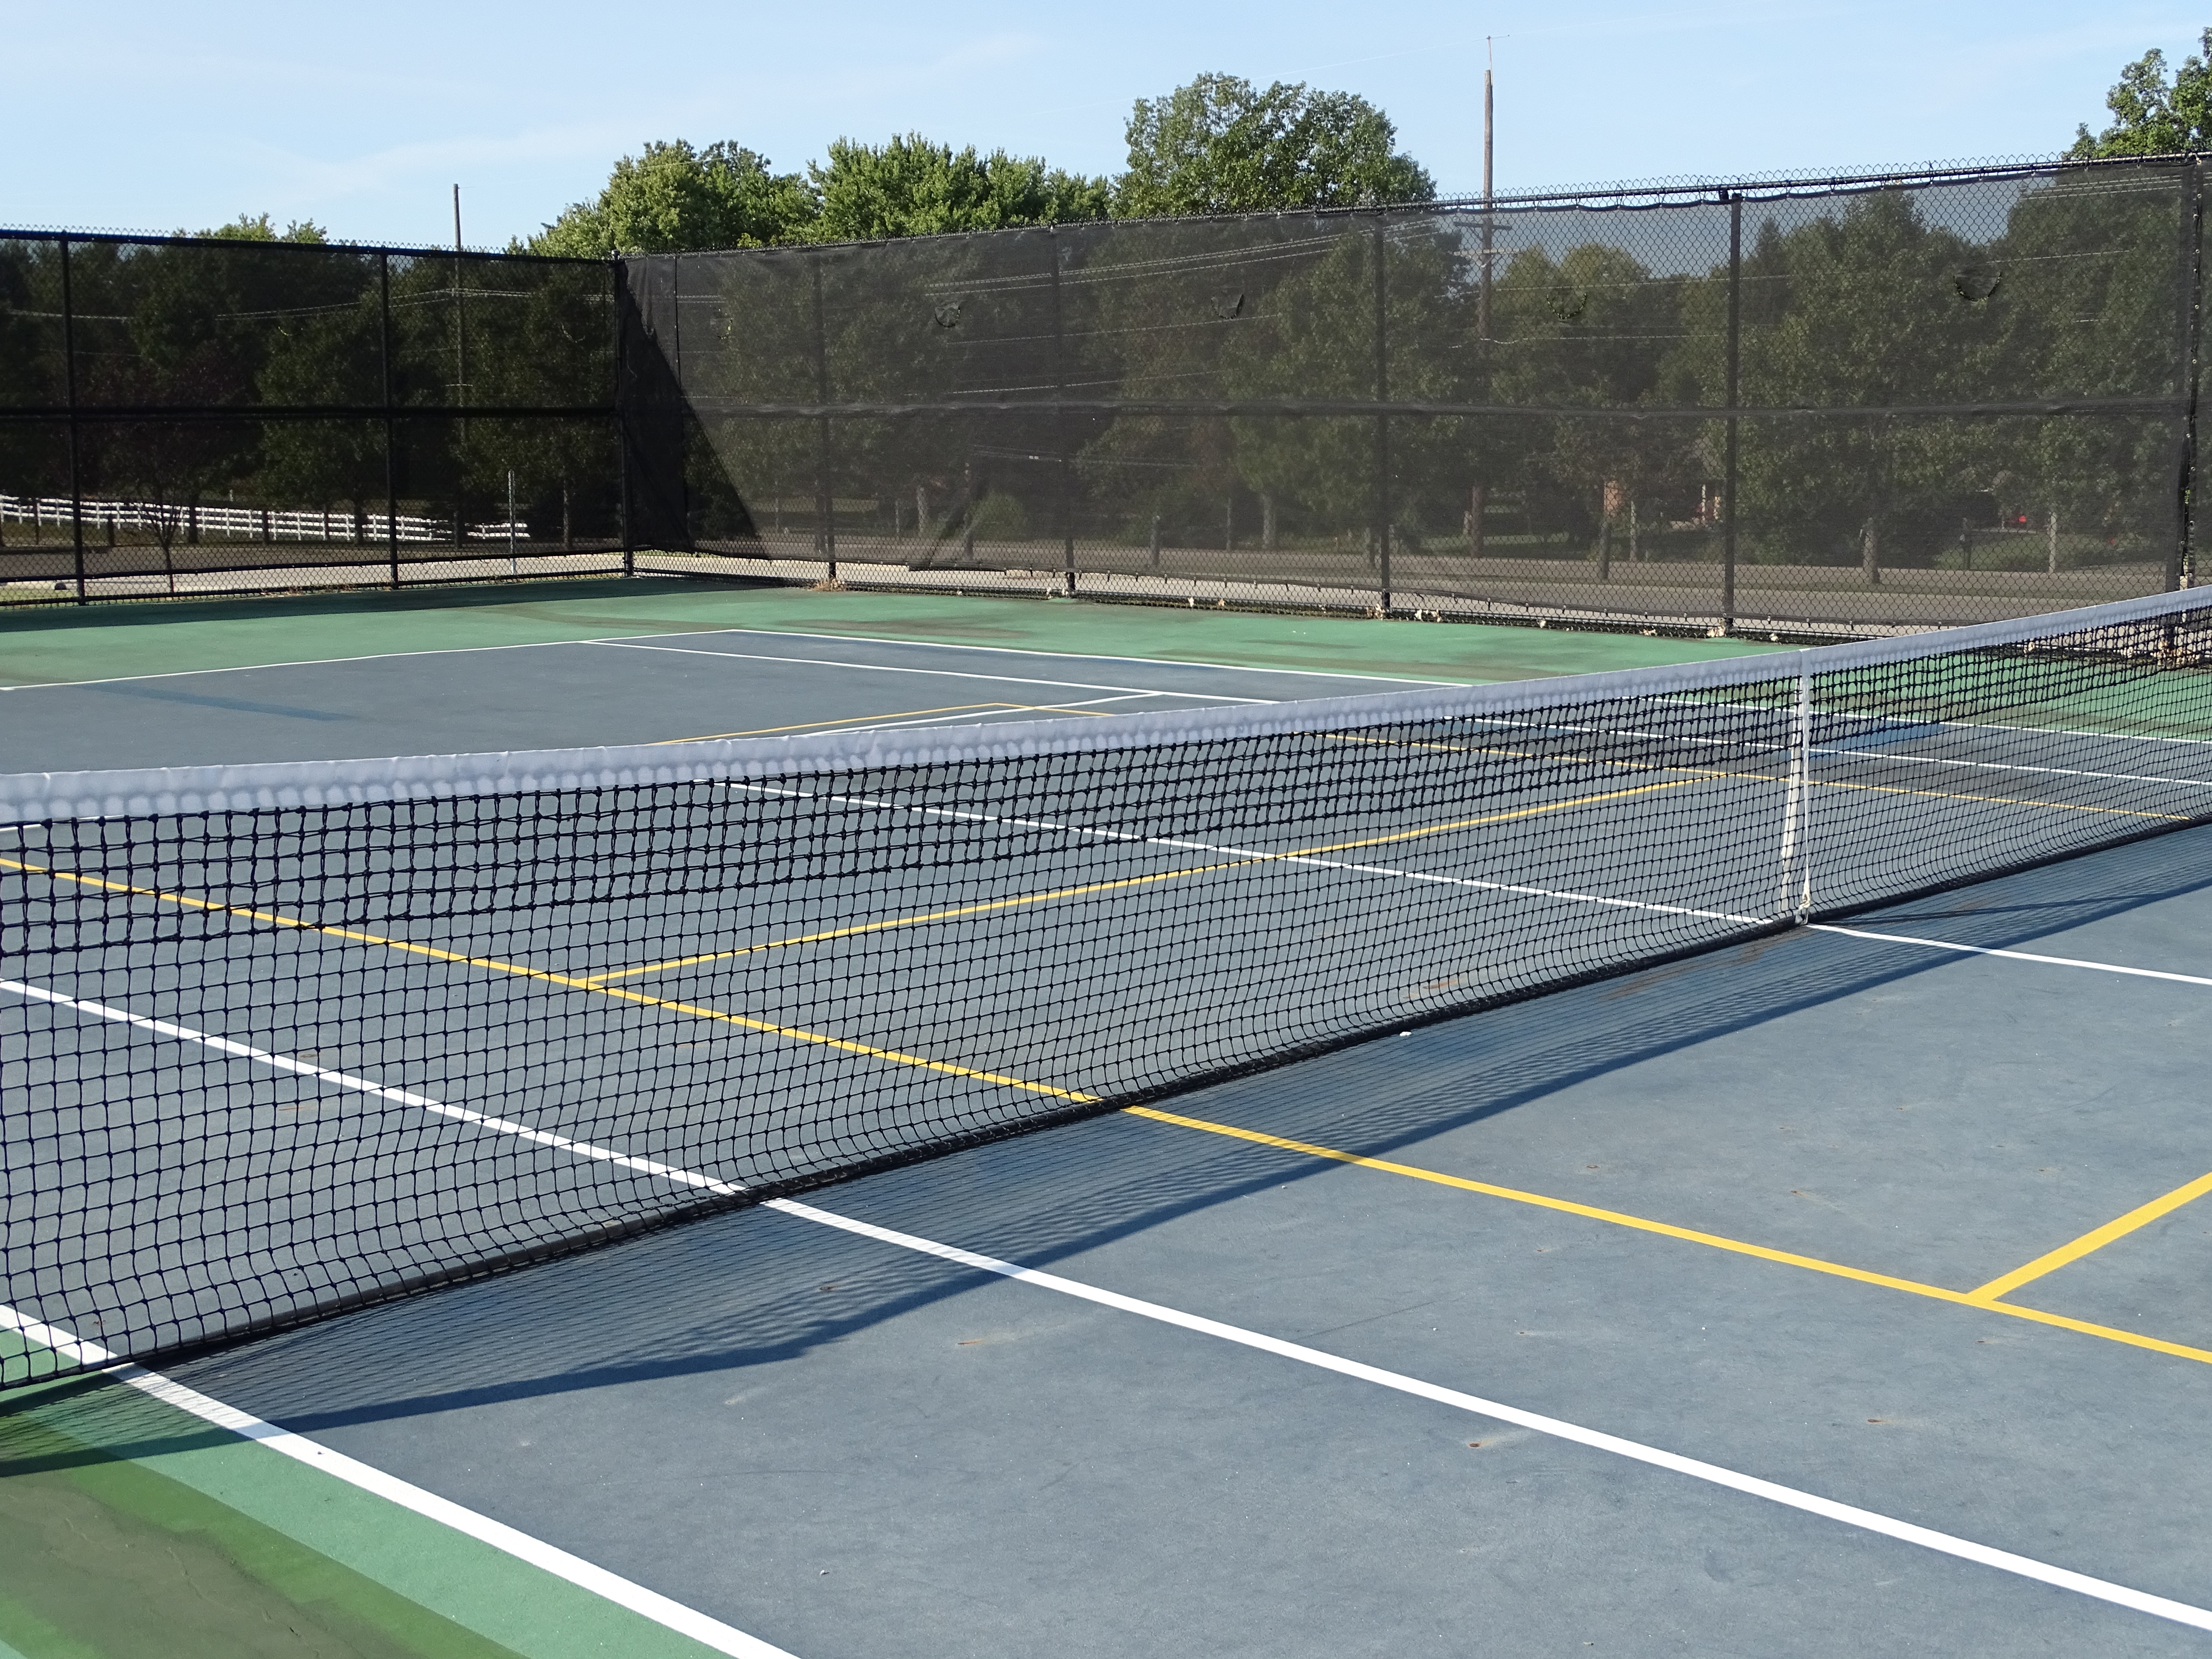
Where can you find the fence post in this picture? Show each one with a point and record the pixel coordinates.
(1734, 387)
(391, 422)
(2180, 570)
(618, 279)
(1059, 417)
(1382, 416)
(69, 389)
(825, 506)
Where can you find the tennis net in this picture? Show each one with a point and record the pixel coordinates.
(277, 1041)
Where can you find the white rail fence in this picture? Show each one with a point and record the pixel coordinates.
(180, 523)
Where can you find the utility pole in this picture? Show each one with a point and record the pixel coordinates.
(460, 367)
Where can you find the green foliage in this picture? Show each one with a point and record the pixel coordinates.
(2155, 115)
(259, 229)
(912, 187)
(674, 199)
(1220, 145)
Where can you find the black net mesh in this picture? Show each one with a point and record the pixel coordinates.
(276, 1041)
(1832, 409)
(188, 416)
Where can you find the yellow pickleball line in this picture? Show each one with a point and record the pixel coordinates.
(797, 1034)
(2094, 1240)
(1132, 881)
(1983, 1298)
(1690, 1235)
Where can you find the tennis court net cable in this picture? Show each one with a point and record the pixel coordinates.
(280, 1040)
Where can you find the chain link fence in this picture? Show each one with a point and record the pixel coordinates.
(186, 416)
(1843, 406)
(1847, 407)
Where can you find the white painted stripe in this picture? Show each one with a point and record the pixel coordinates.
(1210, 697)
(2016, 956)
(362, 1086)
(1564, 895)
(304, 662)
(750, 633)
(1057, 656)
(649, 1604)
(1811, 1503)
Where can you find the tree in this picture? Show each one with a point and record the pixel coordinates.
(2155, 116)
(912, 187)
(1218, 145)
(674, 199)
(259, 229)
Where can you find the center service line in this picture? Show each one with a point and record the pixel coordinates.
(737, 1642)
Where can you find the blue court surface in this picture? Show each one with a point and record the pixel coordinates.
(1838, 1292)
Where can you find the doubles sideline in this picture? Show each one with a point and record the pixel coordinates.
(664, 1612)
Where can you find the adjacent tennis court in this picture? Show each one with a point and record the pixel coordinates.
(1169, 1154)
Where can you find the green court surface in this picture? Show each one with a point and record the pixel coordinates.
(107, 642)
(128, 1527)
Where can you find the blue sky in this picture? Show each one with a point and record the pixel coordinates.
(134, 115)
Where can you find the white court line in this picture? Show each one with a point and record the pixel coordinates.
(1061, 656)
(650, 1604)
(1850, 1514)
(1176, 844)
(1748, 748)
(1773, 1492)
(1565, 896)
(2016, 956)
(1907, 726)
(751, 633)
(934, 674)
(932, 722)
(303, 662)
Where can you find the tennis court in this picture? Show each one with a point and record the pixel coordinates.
(1498, 1174)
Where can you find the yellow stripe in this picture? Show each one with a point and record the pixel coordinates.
(2142, 1216)
(597, 980)
(1337, 846)
(795, 1033)
(1981, 1299)
(1130, 881)
(1715, 1240)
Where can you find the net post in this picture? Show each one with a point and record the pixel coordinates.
(1382, 418)
(69, 388)
(1797, 893)
(391, 423)
(1734, 389)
